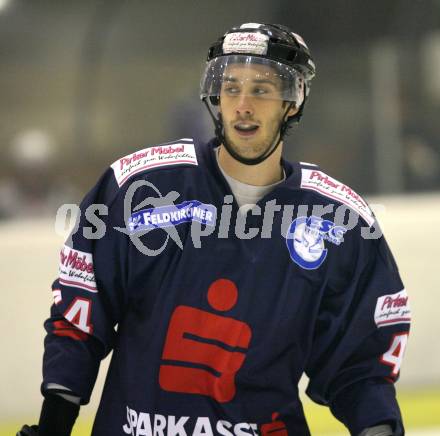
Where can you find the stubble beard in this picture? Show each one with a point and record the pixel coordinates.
(253, 148)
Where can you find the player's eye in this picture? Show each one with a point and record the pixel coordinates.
(231, 90)
(260, 91)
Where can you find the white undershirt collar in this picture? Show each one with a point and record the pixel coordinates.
(244, 193)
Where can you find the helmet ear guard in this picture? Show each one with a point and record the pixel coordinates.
(215, 100)
(295, 119)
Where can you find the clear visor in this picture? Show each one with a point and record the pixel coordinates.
(237, 75)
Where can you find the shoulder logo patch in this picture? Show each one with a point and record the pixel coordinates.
(320, 182)
(76, 269)
(153, 157)
(392, 309)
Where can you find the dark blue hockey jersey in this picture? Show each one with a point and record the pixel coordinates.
(213, 314)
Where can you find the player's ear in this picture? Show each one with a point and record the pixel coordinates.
(291, 112)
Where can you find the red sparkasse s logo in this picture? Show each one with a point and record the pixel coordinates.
(192, 338)
(277, 427)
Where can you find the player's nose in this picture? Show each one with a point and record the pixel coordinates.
(244, 105)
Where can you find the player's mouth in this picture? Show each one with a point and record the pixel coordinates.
(246, 129)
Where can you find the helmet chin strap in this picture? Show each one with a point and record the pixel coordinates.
(219, 133)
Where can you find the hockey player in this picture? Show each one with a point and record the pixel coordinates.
(219, 273)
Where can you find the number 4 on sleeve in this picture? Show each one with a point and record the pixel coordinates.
(394, 356)
(78, 313)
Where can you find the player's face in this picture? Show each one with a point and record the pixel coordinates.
(252, 109)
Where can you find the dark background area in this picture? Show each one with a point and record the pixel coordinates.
(84, 82)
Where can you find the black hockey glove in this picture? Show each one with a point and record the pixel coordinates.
(56, 419)
(28, 431)
(57, 416)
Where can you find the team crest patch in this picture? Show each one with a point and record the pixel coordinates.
(306, 240)
(180, 153)
(392, 309)
(320, 182)
(167, 216)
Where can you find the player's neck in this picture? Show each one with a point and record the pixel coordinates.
(265, 173)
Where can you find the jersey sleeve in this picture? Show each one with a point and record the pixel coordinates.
(360, 338)
(88, 295)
